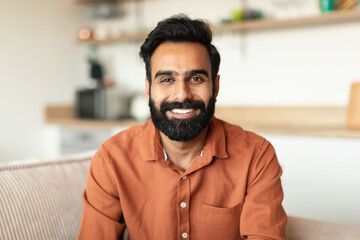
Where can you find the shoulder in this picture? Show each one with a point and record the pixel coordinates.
(127, 147)
(253, 149)
(130, 140)
(240, 142)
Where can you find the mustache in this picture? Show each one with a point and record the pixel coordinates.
(165, 106)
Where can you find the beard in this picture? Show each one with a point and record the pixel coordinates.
(182, 129)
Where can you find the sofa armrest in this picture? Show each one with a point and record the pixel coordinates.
(308, 229)
(42, 200)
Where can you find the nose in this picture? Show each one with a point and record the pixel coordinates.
(182, 91)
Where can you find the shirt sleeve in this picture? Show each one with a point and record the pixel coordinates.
(263, 216)
(102, 214)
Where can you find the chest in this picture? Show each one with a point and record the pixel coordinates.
(169, 203)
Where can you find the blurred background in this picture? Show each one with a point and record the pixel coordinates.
(292, 65)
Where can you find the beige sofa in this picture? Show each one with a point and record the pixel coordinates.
(42, 200)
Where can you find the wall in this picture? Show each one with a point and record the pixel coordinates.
(40, 63)
(312, 65)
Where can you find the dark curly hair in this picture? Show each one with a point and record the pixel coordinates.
(180, 28)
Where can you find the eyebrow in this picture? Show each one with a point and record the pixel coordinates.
(198, 71)
(188, 73)
(164, 73)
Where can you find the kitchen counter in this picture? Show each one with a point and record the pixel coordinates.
(325, 121)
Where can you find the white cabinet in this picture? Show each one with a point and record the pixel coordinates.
(75, 140)
(320, 176)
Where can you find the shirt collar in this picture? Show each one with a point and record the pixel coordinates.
(149, 142)
(215, 144)
(216, 140)
(166, 157)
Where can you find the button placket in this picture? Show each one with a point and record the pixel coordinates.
(183, 199)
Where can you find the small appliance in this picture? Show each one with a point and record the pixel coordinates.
(106, 103)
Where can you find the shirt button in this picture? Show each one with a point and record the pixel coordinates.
(184, 177)
(183, 204)
(184, 235)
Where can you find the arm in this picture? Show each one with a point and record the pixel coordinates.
(102, 214)
(263, 216)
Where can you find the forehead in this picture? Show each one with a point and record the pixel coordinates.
(180, 56)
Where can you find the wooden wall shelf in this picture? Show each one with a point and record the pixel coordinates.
(138, 36)
(101, 1)
(306, 121)
(335, 17)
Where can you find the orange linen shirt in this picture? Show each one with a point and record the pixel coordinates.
(232, 190)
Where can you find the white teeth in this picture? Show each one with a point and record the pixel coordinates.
(181, 111)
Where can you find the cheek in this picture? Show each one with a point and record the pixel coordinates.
(159, 95)
(206, 94)
(157, 99)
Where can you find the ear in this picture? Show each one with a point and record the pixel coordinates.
(147, 89)
(216, 85)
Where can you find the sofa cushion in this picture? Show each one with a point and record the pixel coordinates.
(310, 229)
(43, 200)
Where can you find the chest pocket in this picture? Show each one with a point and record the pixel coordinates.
(220, 223)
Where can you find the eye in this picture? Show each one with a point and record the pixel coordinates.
(196, 79)
(166, 80)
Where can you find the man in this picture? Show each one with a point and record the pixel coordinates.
(184, 174)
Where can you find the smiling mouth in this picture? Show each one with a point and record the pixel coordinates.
(182, 111)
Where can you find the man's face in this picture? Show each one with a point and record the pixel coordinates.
(181, 93)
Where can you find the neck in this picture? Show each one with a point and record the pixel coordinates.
(183, 153)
